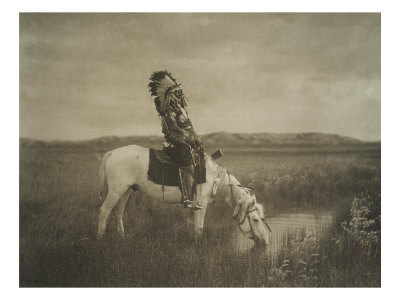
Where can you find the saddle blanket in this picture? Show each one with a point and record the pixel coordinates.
(162, 169)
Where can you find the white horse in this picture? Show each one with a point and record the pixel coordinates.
(124, 170)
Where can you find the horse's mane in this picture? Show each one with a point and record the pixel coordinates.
(223, 184)
(224, 180)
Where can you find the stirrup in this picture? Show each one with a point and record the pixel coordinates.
(187, 203)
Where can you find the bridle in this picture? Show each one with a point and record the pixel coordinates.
(248, 211)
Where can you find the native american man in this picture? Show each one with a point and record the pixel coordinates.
(180, 138)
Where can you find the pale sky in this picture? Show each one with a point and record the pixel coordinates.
(84, 76)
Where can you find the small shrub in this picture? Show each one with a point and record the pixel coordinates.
(365, 223)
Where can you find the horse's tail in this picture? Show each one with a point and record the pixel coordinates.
(103, 175)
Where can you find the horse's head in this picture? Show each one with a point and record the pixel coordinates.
(248, 213)
(250, 216)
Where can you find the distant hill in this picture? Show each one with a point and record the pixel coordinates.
(213, 140)
(277, 139)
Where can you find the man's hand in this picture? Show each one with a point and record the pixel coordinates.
(199, 144)
(192, 141)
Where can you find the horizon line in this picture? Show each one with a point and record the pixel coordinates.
(203, 134)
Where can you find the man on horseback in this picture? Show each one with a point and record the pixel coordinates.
(181, 141)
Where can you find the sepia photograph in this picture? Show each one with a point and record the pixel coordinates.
(200, 150)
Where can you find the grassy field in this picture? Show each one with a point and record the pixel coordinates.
(59, 211)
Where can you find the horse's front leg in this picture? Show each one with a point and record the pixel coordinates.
(199, 216)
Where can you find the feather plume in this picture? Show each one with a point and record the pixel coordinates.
(161, 84)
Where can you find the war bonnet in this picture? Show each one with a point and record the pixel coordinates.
(162, 86)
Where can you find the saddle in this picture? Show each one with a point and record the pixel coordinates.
(164, 171)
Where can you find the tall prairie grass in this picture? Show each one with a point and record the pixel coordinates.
(59, 211)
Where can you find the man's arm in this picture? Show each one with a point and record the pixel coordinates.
(173, 131)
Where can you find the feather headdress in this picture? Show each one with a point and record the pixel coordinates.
(161, 86)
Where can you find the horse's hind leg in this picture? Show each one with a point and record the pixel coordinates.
(105, 209)
(119, 211)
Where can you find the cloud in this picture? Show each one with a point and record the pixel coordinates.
(85, 75)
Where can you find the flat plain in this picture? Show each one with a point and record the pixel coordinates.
(59, 212)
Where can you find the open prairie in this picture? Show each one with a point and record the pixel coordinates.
(323, 204)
